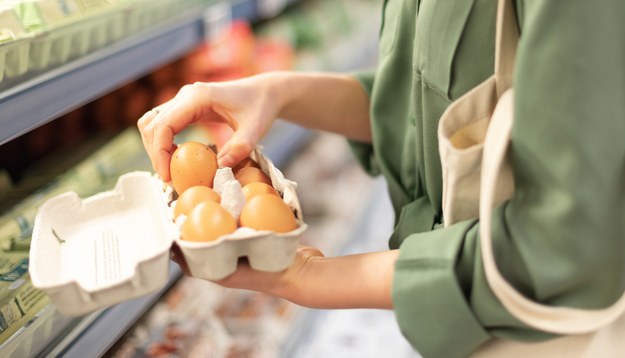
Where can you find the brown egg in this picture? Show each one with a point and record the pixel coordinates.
(192, 164)
(255, 188)
(268, 212)
(192, 197)
(207, 222)
(247, 162)
(251, 174)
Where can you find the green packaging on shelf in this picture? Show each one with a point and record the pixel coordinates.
(29, 16)
(72, 31)
(93, 5)
(41, 18)
(44, 15)
(14, 46)
(106, 23)
(67, 29)
(142, 14)
(19, 300)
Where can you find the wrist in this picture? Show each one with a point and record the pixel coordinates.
(300, 281)
(279, 88)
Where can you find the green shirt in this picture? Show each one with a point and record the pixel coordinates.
(561, 239)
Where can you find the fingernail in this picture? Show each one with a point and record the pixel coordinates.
(225, 161)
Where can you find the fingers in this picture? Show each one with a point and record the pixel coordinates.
(178, 257)
(235, 104)
(245, 277)
(143, 123)
(240, 145)
(233, 151)
(159, 126)
(147, 128)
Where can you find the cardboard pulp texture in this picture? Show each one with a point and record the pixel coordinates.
(14, 45)
(71, 33)
(88, 254)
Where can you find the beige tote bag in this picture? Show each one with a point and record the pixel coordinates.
(474, 135)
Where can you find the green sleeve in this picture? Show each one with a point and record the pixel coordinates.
(561, 239)
(364, 151)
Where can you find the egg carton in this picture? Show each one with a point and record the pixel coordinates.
(143, 14)
(87, 254)
(14, 45)
(75, 36)
(14, 58)
(53, 32)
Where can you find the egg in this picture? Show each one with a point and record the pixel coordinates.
(207, 222)
(192, 197)
(192, 164)
(268, 212)
(255, 188)
(251, 174)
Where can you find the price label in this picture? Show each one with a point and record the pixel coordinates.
(270, 8)
(217, 18)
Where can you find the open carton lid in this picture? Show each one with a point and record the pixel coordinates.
(91, 253)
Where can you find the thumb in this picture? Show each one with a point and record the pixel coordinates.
(237, 148)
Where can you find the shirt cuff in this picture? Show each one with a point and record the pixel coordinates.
(364, 151)
(430, 306)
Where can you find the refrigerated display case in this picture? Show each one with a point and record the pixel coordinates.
(31, 103)
(34, 97)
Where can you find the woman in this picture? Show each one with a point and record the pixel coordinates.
(560, 240)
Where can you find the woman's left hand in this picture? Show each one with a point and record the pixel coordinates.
(283, 284)
(313, 280)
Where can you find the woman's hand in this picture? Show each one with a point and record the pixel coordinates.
(248, 106)
(313, 280)
(328, 102)
(285, 284)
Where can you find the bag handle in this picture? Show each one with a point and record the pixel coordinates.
(506, 40)
(562, 320)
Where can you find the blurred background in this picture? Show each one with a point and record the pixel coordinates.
(76, 75)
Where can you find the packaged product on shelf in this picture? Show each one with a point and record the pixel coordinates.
(312, 27)
(19, 300)
(72, 30)
(227, 55)
(14, 46)
(39, 17)
(50, 33)
(142, 14)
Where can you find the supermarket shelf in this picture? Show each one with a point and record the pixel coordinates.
(48, 96)
(37, 101)
(100, 331)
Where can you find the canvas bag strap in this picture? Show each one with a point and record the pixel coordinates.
(562, 320)
(506, 40)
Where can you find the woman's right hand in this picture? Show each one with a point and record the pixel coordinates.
(323, 101)
(248, 106)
